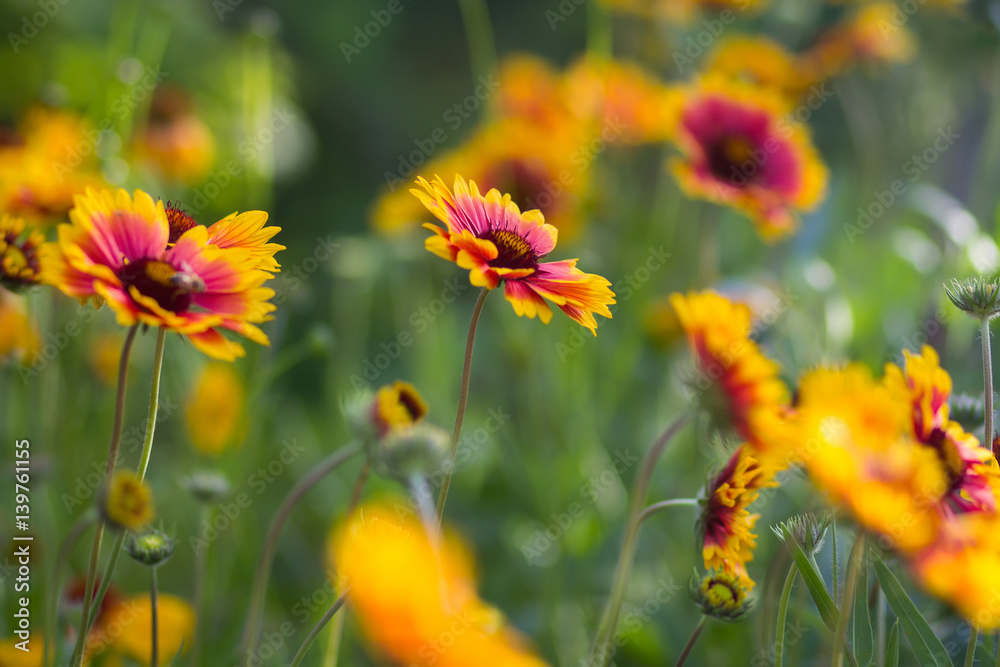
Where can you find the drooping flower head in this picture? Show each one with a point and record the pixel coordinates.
(856, 439)
(735, 382)
(117, 250)
(408, 590)
(19, 263)
(725, 524)
(497, 243)
(742, 150)
(970, 469)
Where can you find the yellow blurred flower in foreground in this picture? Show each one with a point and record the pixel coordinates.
(214, 412)
(176, 140)
(416, 600)
(758, 61)
(124, 628)
(18, 336)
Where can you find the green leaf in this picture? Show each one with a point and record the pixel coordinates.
(814, 583)
(861, 625)
(925, 644)
(892, 647)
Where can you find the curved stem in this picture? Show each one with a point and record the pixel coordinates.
(691, 640)
(599, 655)
(853, 566)
(109, 569)
(479, 33)
(154, 403)
(779, 628)
(82, 524)
(656, 508)
(319, 627)
(109, 471)
(154, 659)
(463, 397)
(321, 469)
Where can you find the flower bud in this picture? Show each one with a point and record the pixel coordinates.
(151, 547)
(206, 486)
(806, 529)
(979, 297)
(418, 449)
(372, 417)
(721, 595)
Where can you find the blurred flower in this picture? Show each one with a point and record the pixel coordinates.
(127, 503)
(126, 629)
(206, 486)
(105, 356)
(18, 336)
(971, 469)
(757, 61)
(175, 140)
(498, 243)
(214, 411)
(150, 547)
(724, 524)
(50, 159)
(736, 384)
(620, 102)
(742, 150)
(684, 11)
(12, 656)
(721, 595)
(530, 89)
(116, 250)
(394, 406)
(18, 254)
(856, 439)
(409, 592)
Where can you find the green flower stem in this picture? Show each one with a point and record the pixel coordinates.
(656, 508)
(599, 656)
(779, 629)
(422, 494)
(970, 649)
(479, 34)
(259, 587)
(82, 524)
(463, 397)
(319, 627)
(691, 641)
(880, 617)
(984, 330)
(853, 566)
(836, 572)
(154, 659)
(109, 470)
(998, 649)
(600, 29)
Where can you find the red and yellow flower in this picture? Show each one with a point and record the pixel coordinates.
(740, 149)
(117, 250)
(408, 590)
(19, 244)
(497, 243)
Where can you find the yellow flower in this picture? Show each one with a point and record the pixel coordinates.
(214, 411)
(724, 523)
(19, 263)
(125, 629)
(397, 406)
(12, 656)
(856, 439)
(175, 140)
(18, 335)
(127, 502)
(736, 383)
(409, 592)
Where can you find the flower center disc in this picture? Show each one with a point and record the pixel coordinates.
(728, 157)
(513, 252)
(154, 278)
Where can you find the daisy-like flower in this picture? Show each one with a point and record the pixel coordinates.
(215, 410)
(117, 250)
(735, 383)
(741, 150)
(408, 591)
(497, 243)
(127, 503)
(19, 244)
(856, 439)
(970, 468)
(246, 231)
(725, 524)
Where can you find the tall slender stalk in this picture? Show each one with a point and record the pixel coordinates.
(691, 641)
(779, 628)
(599, 656)
(984, 334)
(78, 529)
(853, 567)
(463, 397)
(970, 648)
(109, 471)
(261, 577)
(319, 627)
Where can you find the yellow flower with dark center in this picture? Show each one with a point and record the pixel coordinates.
(735, 382)
(856, 439)
(725, 524)
(127, 503)
(19, 263)
(214, 412)
(722, 595)
(408, 591)
(397, 406)
(497, 243)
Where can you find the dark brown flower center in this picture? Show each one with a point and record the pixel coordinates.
(950, 457)
(19, 263)
(160, 281)
(513, 251)
(731, 159)
(179, 221)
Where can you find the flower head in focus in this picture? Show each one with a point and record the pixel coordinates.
(497, 243)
